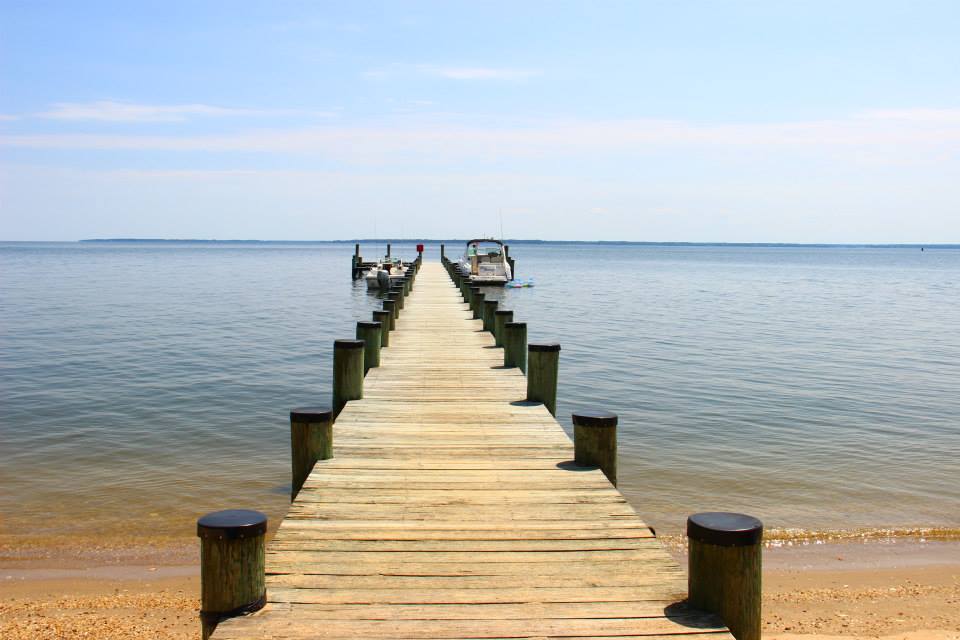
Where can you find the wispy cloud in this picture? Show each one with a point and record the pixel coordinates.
(6, 117)
(110, 111)
(873, 134)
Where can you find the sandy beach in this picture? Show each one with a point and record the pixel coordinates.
(904, 590)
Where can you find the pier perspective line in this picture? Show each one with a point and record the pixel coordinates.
(438, 497)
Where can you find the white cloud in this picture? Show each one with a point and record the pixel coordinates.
(110, 111)
(876, 134)
(5, 117)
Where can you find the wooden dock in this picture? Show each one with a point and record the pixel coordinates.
(452, 509)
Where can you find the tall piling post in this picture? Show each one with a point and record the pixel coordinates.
(347, 373)
(311, 439)
(396, 297)
(370, 333)
(443, 252)
(383, 317)
(724, 569)
(543, 361)
(489, 309)
(388, 249)
(595, 441)
(478, 299)
(390, 306)
(515, 345)
(500, 318)
(232, 566)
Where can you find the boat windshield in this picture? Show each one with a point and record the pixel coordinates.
(479, 248)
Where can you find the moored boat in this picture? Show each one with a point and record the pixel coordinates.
(484, 262)
(386, 271)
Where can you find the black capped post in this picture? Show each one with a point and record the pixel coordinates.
(370, 333)
(500, 318)
(478, 300)
(347, 373)
(595, 441)
(515, 345)
(489, 309)
(232, 576)
(311, 439)
(394, 297)
(390, 306)
(724, 569)
(396, 292)
(543, 362)
(384, 318)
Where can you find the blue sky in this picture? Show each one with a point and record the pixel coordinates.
(697, 121)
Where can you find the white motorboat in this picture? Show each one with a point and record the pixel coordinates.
(485, 263)
(388, 270)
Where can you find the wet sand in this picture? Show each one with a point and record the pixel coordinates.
(903, 590)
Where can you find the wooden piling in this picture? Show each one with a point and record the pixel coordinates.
(397, 290)
(489, 309)
(384, 318)
(388, 249)
(443, 252)
(370, 333)
(395, 297)
(724, 570)
(347, 373)
(500, 318)
(595, 441)
(515, 345)
(390, 306)
(543, 362)
(478, 299)
(232, 565)
(311, 439)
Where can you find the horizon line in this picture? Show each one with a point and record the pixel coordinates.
(513, 240)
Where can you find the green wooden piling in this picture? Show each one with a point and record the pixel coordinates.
(500, 318)
(478, 299)
(489, 309)
(390, 306)
(232, 563)
(347, 373)
(515, 345)
(311, 439)
(724, 569)
(543, 360)
(595, 441)
(370, 333)
(384, 317)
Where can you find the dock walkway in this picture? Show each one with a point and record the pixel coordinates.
(452, 509)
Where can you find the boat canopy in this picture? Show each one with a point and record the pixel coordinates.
(484, 247)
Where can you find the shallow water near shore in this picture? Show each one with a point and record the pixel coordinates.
(815, 387)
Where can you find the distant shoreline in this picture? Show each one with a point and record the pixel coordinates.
(524, 242)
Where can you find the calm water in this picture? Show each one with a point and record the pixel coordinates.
(818, 388)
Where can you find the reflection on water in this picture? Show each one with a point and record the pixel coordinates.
(813, 387)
